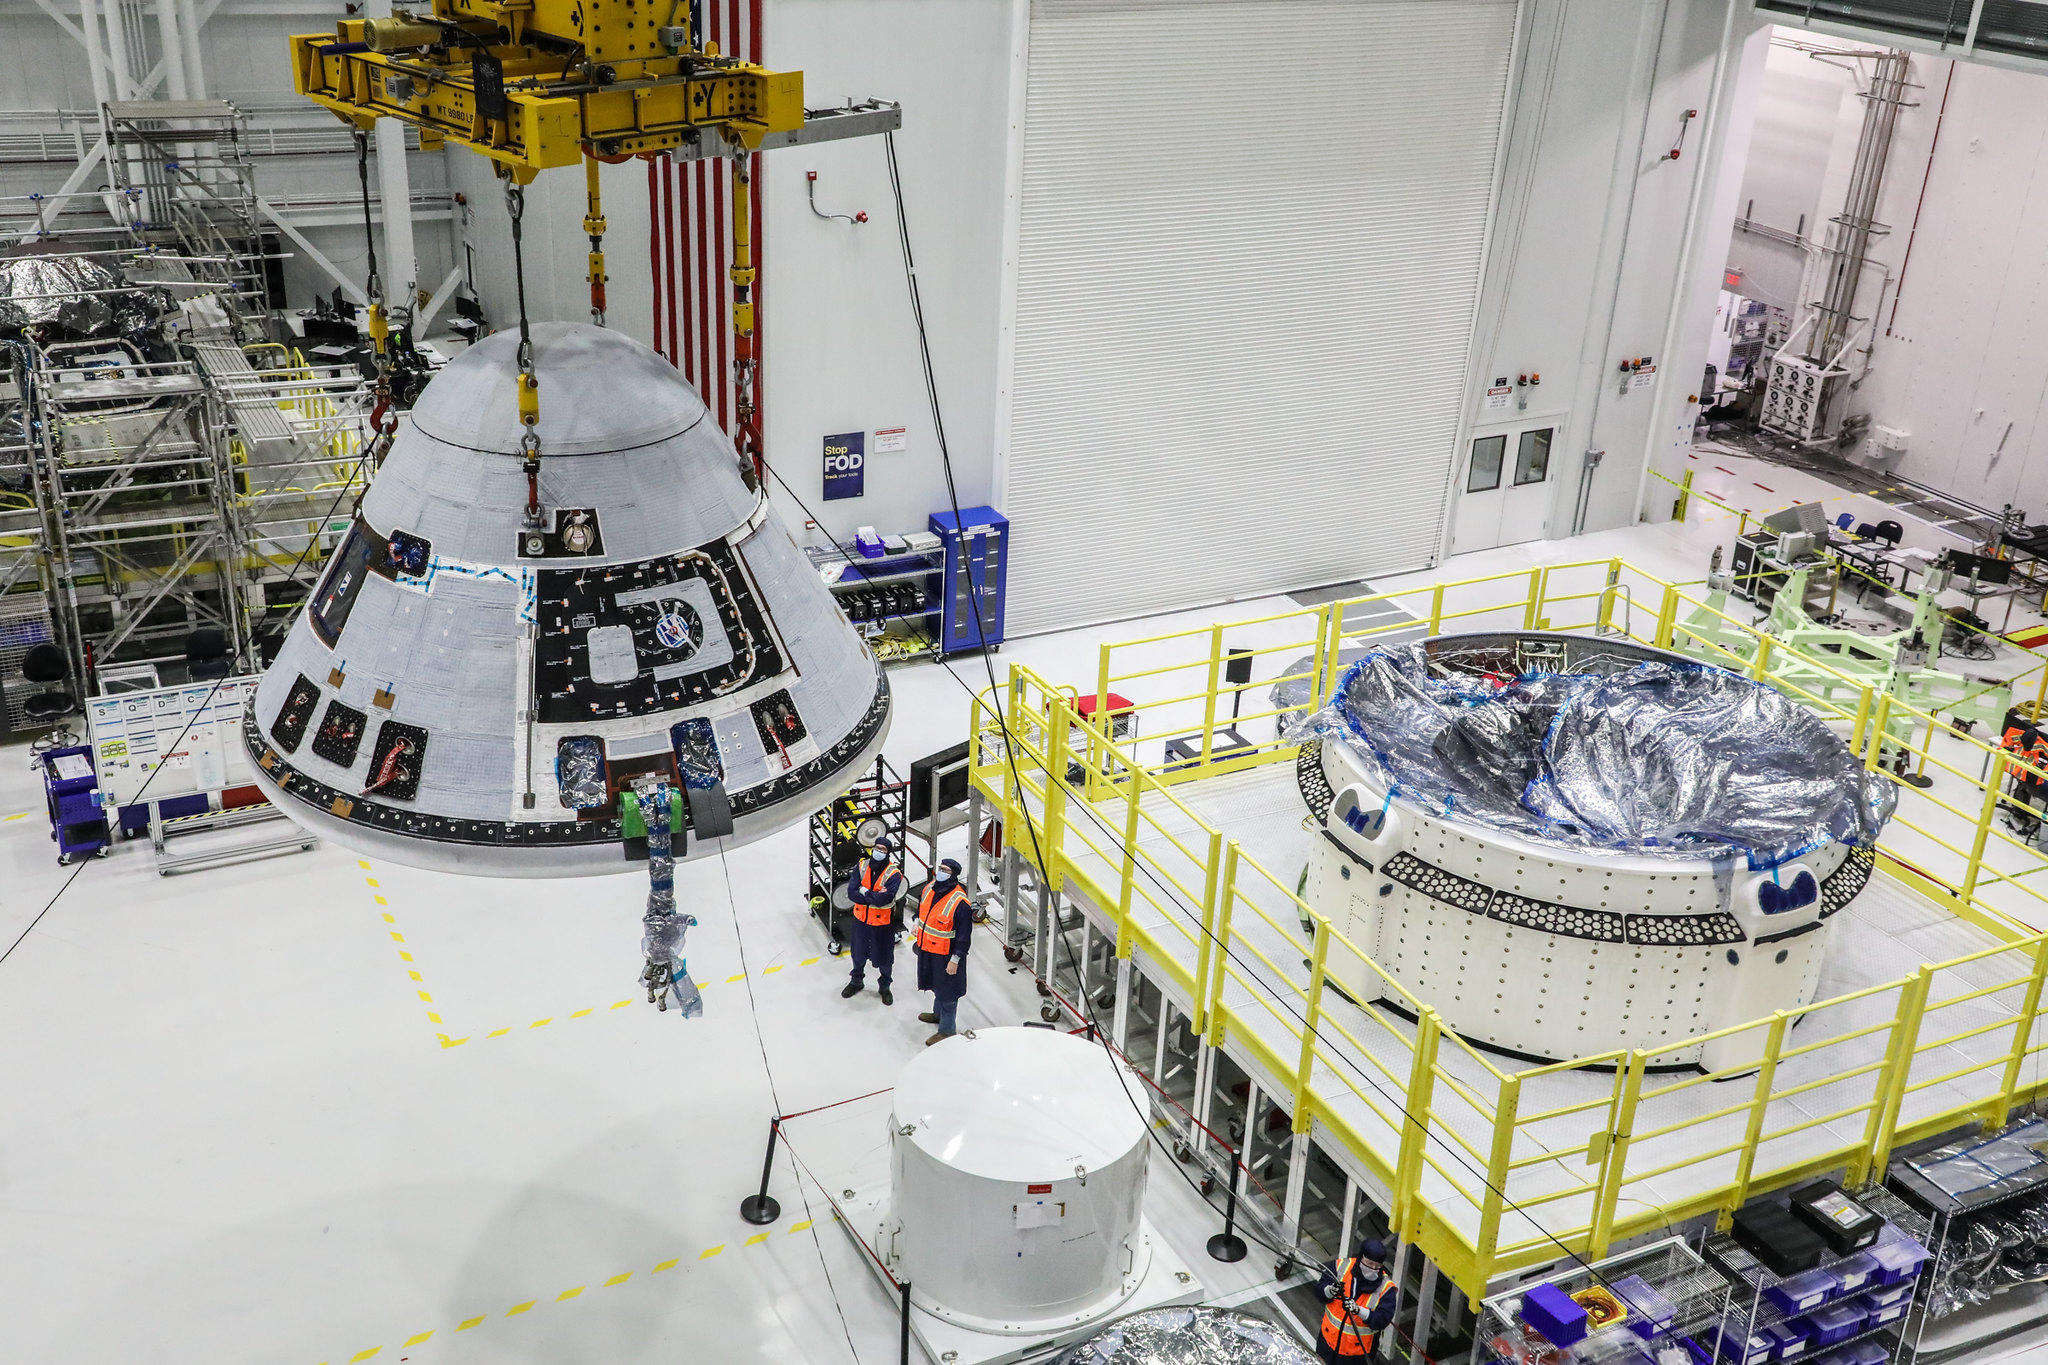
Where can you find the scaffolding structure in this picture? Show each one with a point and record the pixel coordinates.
(184, 181)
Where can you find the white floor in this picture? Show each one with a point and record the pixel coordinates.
(311, 1110)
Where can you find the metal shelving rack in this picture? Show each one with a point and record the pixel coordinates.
(1751, 1277)
(1699, 1296)
(918, 569)
(1949, 1217)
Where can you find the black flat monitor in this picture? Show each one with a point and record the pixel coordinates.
(951, 765)
(1990, 572)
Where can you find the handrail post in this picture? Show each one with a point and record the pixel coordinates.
(1684, 497)
(1436, 610)
(1992, 786)
(1134, 777)
(1667, 616)
(1745, 1162)
(1611, 1176)
(1883, 1122)
(1317, 975)
(1760, 670)
(1534, 608)
(1873, 739)
(1212, 872)
(1502, 1152)
(1608, 592)
(1429, 1028)
(2023, 1034)
(1209, 700)
(1862, 719)
(1220, 959)
(1053, 809)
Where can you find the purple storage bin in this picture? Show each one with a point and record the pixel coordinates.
(1552, 1312)
(1854, 1272)
(1800, 1293)
(1789, 1339)
(1880, 1296)
(1878, 1314)
(1739, 1347)
(1857, 1353)
(1649, 1312)
(1898, 1257)
(1833, 1322)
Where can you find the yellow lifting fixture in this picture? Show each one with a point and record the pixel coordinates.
(533, 84)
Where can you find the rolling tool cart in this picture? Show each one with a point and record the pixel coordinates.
(71, 790)
(840, 836)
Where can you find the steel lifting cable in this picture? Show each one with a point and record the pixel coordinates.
(383, 421)
(529, 382)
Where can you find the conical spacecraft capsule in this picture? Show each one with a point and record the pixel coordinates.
(465, 693)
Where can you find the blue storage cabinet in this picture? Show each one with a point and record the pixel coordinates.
(976, 547)
(71, 787)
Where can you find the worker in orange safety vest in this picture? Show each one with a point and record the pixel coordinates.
(1361, 1303)
(874, 888)
(943, 931)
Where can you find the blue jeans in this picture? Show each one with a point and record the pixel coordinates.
(946, 1009)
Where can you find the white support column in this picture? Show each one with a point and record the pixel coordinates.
(189, 21)
(1120, 1021)
(1204, 1083)
(173, 49)
(1297, 1187)
(441, 296)
(1425, 1306)
(120, 71)
(89, 22)
(1347, 1236)
(1011, 864)
(1384, 1347)
(1159, 1041)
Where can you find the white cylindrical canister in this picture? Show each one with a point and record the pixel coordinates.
(1018, 1175)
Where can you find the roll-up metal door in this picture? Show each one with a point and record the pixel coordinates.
(1250, 244)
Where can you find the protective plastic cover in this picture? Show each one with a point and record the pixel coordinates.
(73, 297)
(1659, 759)
(1189, 1336)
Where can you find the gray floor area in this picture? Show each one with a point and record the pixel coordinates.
(1886, 934)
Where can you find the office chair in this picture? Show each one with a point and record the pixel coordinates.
(1865, 531)
(1890, 532)
(1845, 521)
(44, 665)
(206, 654)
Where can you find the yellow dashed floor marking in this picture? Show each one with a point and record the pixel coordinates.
(801, 1226)
(364, 1355)
(538, 1022)
(665, 1265)
(736, 976)
(568, 1294)
(417, 1338)
(618, 1279)
(19, 815)
(579, 1014)
(518, 1308)
(468, 1323)
(620, 1004)
(772, 970)
(497, 1033)
(809, 961)
(709, 1252)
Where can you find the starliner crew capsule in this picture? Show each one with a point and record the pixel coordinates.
(484, 669)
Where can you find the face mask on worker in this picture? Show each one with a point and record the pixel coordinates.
(880, 855)
(945, 875)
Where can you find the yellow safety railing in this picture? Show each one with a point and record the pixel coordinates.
(1492, 1169)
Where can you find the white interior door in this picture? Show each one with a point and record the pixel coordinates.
(1507, 487)
(1244, 294)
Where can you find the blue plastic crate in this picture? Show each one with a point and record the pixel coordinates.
(1833, 1322)
(1649, 1313)
(1552, 1312)
(1800, 1293)
(1854, 1273)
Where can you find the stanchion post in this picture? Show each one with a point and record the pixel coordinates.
(761, 1208)
(1227, 1245)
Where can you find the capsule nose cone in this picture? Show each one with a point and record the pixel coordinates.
(457, 695)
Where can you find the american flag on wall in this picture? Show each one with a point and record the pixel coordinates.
(690, 246)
